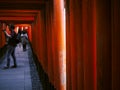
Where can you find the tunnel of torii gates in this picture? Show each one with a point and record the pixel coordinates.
(77, 42)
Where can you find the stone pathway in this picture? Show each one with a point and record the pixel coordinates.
(24, 77)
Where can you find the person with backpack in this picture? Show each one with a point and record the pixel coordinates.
(11, 45)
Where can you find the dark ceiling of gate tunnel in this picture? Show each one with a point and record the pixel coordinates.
(20, 11)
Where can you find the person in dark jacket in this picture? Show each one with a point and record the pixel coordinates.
(11, 45)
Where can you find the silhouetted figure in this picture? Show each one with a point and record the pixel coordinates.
(11, 45)
(24, 39)
(19, 36)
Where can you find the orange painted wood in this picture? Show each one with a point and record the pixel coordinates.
(104, 50)
(39, 40)
(115, 44)
(18, 18)
(89, 44)
(68, 59)
(81, 45)
(49, 34)
(59, 48)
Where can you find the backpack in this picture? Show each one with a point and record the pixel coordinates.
(18, 38)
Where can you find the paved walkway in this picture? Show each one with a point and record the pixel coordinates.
(22, 77)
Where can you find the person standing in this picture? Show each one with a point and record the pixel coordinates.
(11, 45)
(24, 39)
